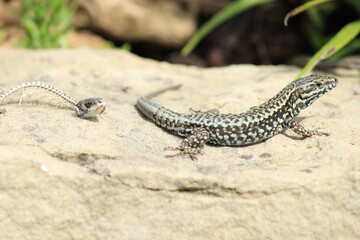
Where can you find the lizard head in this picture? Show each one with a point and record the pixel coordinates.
(90, 107)
(312, 87)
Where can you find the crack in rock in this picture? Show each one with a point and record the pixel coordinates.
(82, 159)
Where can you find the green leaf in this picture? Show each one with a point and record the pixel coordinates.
(302, 8)
(342, 38)
(315, 37)
(231, 10)
(126, 47)
(355, 4)
(353, 46)
(46, 22)
(2, 35)
(316, 18)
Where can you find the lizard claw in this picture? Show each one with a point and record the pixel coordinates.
(191, 152)
(318, 133)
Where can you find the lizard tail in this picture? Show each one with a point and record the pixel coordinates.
(147, 107)
(153, 94)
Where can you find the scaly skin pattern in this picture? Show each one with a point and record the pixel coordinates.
(256, 125)
(87, 108)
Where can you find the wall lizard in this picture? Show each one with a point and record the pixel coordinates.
(87, 108)
(256, 125)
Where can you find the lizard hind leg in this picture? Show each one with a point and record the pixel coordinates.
(192, 145)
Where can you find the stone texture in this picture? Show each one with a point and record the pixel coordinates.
(169, 23)
(63, 177)
(164, 22)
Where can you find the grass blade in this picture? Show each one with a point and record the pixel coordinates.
(342, 38)
(231, 10)
(302, 8)
(353, 46)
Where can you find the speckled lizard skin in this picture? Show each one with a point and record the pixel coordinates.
(256, 125)
(86, 108)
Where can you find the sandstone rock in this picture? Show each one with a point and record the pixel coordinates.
(78, 39)
(163, 22)
(63, 177)
(169, 23)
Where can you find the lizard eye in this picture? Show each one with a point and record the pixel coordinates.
(88, 104)
(318, 84)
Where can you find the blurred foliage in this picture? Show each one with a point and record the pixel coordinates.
(336, 43)
(319, 17)
(230, 11)
(110, 44)
(125, 46)
(305, 7)
(342, 43)
(46, 23)
(2, 33)
(319, 12)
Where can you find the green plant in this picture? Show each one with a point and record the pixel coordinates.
(2, 33)
(231, 10)
(337, 46)
(341, 39)
(125, 46)
(46, 23)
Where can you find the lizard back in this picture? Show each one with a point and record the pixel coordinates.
(257, 124)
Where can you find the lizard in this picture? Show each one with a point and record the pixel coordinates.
(86, 108)
(256, 125)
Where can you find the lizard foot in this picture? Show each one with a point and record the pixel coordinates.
(192, 145)
(317, 132)
(191, 152)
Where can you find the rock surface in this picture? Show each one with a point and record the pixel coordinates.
(164, 22)
(63, 177)
(168, 23)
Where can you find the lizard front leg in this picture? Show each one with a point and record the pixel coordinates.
(192, 145)
(297, 128)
